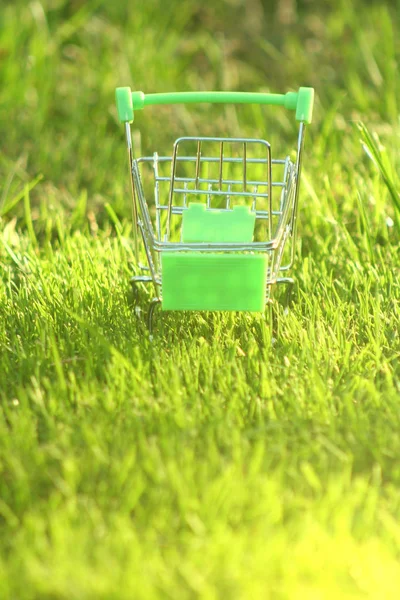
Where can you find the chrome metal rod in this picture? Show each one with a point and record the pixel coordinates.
(258, 161)
(244, 166)
(221, 162)
(157, 192)
(198, 159)
(212, 192)
(299, 163)
(133, 192)
(260, 214)
(150, 262)
(224, 181)
(269, 192)
(171, 190)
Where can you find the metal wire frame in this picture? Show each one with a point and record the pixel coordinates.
(178, 210)
(228, 194)
(260, 214)
(285, 229)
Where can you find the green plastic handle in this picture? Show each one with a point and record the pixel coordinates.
(302, 101)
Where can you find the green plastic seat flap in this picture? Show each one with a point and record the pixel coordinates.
(201, 224)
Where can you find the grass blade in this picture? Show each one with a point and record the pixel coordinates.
(374, 152)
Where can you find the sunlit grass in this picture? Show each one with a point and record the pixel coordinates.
(214, 461)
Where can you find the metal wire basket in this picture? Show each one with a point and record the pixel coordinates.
(222, 210)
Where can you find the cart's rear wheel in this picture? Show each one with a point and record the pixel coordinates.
(272, 318)
(154, 304)
(134, 294)
(289, 282)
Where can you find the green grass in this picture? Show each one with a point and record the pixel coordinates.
(210, 463)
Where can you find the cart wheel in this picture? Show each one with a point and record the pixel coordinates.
(287, 297)
(289, 293)
(273, 320)
(134, 299)
(153, 306)
(135, 294)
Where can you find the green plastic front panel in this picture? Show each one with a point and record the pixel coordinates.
(203, 281)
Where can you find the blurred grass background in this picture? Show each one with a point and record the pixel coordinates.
(210, 463)
(60, 63)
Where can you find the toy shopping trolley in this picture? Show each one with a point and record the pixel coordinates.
(219, 212)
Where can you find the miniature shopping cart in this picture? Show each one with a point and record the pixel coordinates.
(220, 213)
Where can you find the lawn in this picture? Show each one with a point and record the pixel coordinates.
(215, 461)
